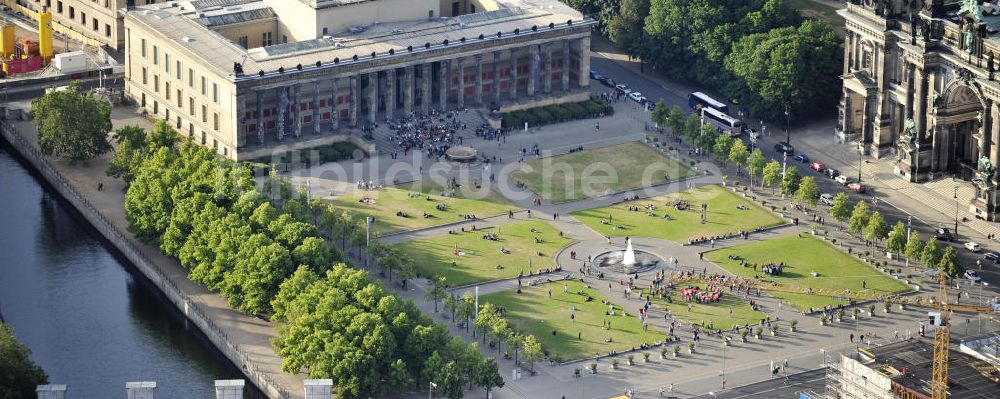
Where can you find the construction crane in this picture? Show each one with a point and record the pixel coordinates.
(942, 337)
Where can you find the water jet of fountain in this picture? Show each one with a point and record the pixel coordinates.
(628, 258)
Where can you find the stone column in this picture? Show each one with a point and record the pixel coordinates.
(513, 75)
(443, 85)
(372, 96)
(460, 97)
(546, 67)
(496, 78)
(987, 131)
(565, 65)
(241, 140)
(584, 74)
(425, 88)
(920, 102)
(390, 92)
(532, 71)
(479, 79)
(315, 108)
(260, 116)
(296, 102)
(229, 389)
(353, 112)
(334, 111)
(140, 389)
(408, 90)
(993, 131)
(910, 87)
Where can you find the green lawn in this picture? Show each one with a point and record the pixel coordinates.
(722, 216)
(390, 200)
(816, 10)
(480, 257)
(533, 312)
(715, 314)
(839, 273)
(598, 172)
(468, 189)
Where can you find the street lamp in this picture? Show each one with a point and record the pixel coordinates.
(430, 390)
(368, 237)
(788, 136)
(861, 151)
(956, 207)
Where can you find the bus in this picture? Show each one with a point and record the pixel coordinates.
(723, 121)
(699, 100)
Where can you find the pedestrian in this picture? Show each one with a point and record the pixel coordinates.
(852, 337)
(550, 293)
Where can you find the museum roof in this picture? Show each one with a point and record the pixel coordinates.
(909, 363)
(188, 26)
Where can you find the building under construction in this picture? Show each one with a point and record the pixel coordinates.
(904, 370)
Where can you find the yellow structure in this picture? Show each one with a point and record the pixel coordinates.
(45, 35)
(7, 45)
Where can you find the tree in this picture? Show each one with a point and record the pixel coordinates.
(467, 308)
(19, 375)
(451, 305)
(931, 254)
(692, 128)
(790, 182)
(755, 164)
(859, 218)
(772, 174)
(514, 340)
(531, 350)
(808, 191)
(438, 290)
(948, 264)
(660, 113)
(488, 375)
(71, 124)
(129, 153)
(914, 247)
(163, 135)
(841, 208)
(451, 381)
(896, 241)
(676, 121)
(877, 229)
(399, 377)
(722, 145)
(708, 137)
(738, 153)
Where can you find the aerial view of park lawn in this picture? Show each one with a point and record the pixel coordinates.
(728, 310)
(838, 275)
(396, 209)
(598, 172)
(646, 219)
(535, 312)
(487, 253)
(468, 188)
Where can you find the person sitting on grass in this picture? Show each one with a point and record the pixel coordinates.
(504, 251)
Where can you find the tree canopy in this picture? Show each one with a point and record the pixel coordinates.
(19, 375)
(72, 124)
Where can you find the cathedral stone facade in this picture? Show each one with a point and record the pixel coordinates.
(920, 87)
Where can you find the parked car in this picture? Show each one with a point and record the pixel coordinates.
(973, 276)
(623, 88)
(832, 173)
(943, 234)
(992, 256)
(594, 74)
(856, 187)
(784, 147)
(607, 81)
(842, 179)
(637, 97)
(826, 198)
(817, 166)
(972, 246)
(801, 158)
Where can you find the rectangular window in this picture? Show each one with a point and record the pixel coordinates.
(191, 105)
(167, 91)
(215, 93)
(156, 55)
(143, 46)
(107, 30)
(180, 100)
(59, 7)
(204, 114)
(166, 112)
(180, 71)
(215, 121)
(94, 24)
(178, 122)
(244, 42)
(191, 130)
(144, 81)
(307, 119)
(204, 87)
(166, 62)
(156, 83)
(191, 78)
(83, 18)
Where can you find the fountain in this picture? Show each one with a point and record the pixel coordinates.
(628, 260)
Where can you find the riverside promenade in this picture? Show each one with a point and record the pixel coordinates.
(244, 340)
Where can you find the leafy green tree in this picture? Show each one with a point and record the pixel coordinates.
(755, 165)
(877, 229)
(949, 265)
(452, 381)
(488, 375)
(163, 135)
(772, 174)
(261, 266)
(859, 218)
(841, 208)
(738, 153)
(676, 121)
(626, 29)
(148, 201)
(72, 124)
(531, 350)
(451, 306)
(438, 290)
(289, 290)
(791, 181)
(467, 308)
(896, 242)
(19, 375)
(660, 113)
(707, 139)
(399, 377)
(914, 247)
(931, 254)
(808, 191)
(693, 128)
(722, 145)
(514, 340)
(128, 154)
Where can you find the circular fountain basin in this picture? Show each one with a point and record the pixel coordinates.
(613, 260)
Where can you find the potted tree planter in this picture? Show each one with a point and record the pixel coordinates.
(792, 324)
(886, 307)
(645, 357)
(593, 368)
(854, 313)
(631, 360)
(726, 341)
(677, 350)
(840, 316)
(614, 364)
(871, 310)
(663, 353)
(691, 348)
(822, 320)
(743, 335)
(902, 307)
(757, 331)
(774, 330)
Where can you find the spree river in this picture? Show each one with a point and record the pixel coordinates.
(91, 322)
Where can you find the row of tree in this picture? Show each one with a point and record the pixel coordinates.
(759, 53)
(19, 375)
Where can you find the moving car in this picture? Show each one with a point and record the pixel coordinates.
(992, 256)
(832, 173)
(606, 81)
(623, 88)
(784, 147)
(637, 97)
(817, 166)
(856, 187)
(973, 276)
(826, 198)
(943, 234)
(842, 179)
(972, 246)
(801, 158)
(594, 74)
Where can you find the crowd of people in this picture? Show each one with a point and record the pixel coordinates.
(432, 133)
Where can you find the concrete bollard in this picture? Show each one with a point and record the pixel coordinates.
(140, 389)
(229, 389)
(52, 391)
(318, 389)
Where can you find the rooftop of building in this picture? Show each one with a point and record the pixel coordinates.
(189, 23)
(910, 363)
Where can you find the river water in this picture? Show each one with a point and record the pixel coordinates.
(91, 322)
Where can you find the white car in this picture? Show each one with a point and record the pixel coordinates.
(973, 276)
(826, 198)
(972, 246)
(623, 88)
(842, 179)
(637, 97)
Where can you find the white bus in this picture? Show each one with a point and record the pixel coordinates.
(724, 122)
(698, 100)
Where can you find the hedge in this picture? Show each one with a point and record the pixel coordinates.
(328, 153)
(556, 113)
